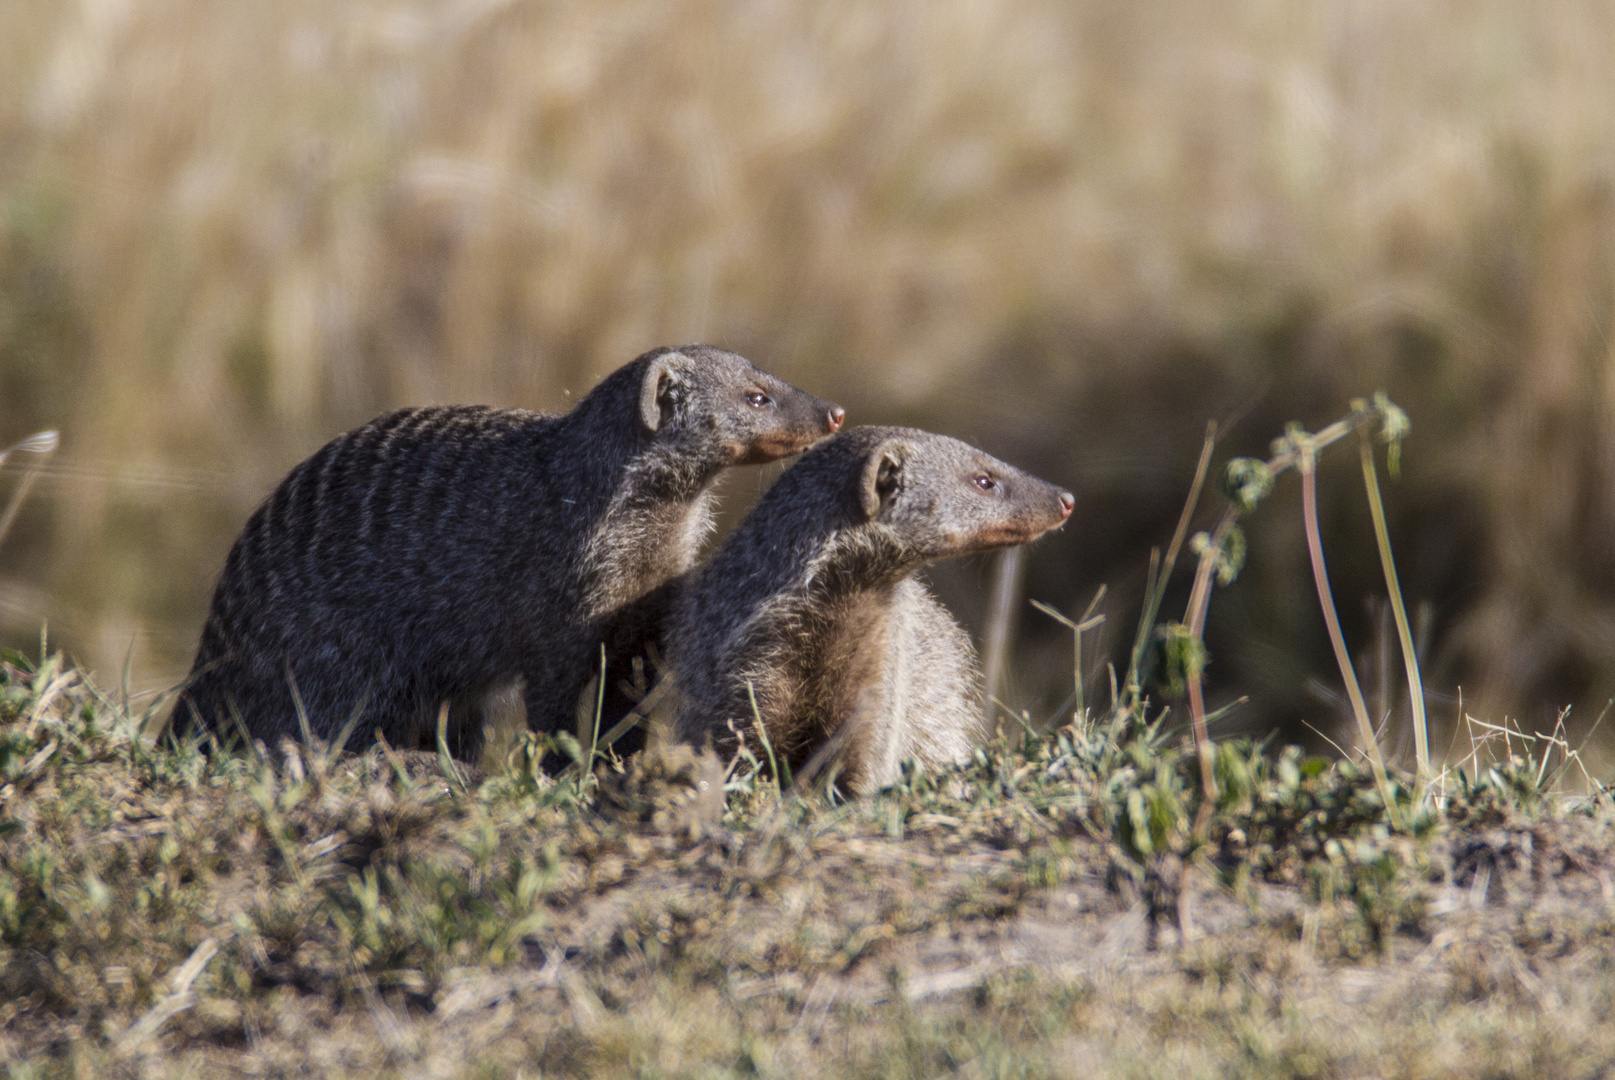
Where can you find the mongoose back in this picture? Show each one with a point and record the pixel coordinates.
(439, 554)
(810, 608)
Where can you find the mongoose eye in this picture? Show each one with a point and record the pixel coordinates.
(985, 482)
(758, 400)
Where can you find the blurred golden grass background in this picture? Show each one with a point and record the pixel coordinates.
(1071, 231)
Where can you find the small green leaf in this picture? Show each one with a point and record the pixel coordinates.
(1394, 427)
(569, 745)
(1185, 657)
(1138, 817)
(1231, 559)
(1246, 482)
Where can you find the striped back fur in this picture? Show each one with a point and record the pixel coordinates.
(439, 554)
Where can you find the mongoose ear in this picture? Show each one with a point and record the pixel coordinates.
(882, 478)
(664, 382)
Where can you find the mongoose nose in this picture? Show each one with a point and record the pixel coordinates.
(837, 414)
(1067, 501)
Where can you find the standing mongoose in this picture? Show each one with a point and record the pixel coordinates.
(440, 554)
(808, 617)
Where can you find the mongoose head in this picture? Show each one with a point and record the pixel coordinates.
(715, 402)
(945, 498)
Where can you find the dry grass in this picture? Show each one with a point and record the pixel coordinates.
(1042, 912)
(1071, 230)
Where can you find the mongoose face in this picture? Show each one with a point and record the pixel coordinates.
(699, 396)
(944, 498)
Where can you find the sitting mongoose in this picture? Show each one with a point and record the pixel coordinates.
(808, 616)
(442, 554)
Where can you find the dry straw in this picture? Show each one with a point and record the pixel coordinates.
(227, 232)
(41, 447)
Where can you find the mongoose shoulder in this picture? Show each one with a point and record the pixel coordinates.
(810, 609)
(437, 554)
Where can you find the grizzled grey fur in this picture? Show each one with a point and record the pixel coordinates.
(441, 554)
(810, 607)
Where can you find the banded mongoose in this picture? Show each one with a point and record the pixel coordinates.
(439, 554)
(810, 609)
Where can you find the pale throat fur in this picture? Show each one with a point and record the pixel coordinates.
(639, 544)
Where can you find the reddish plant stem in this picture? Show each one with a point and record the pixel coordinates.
(1320, 578)
(1194, 617)
(1195, 620)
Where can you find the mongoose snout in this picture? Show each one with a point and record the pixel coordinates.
(958, 500)
(787, 420)
(1045, 507)
(810, 609)
(1048, 509)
